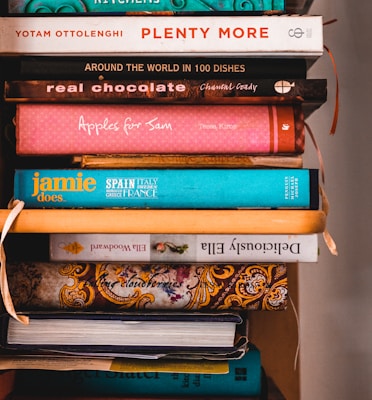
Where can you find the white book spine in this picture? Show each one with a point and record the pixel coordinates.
(282, 36)
(183, 248)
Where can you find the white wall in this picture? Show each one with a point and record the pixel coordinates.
(336, 293)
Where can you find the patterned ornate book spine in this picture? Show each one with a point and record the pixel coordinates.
(111, 287)
(155, 6)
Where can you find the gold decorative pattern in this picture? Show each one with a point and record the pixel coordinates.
(80, 294)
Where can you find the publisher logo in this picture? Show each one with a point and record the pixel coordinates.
(296, 33)
(283, 87)
(241, 374)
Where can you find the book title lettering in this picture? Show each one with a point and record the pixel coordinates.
(219, 248)
(60, 184)
(118, 88)
(131, 188)
(164, 67)
(80, 376)
(127, 126)
(196, 33)
(152, 87)
(210, 248)
(48, 189)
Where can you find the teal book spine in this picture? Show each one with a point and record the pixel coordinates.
(168, 188)
(120, 6)
(243, 379)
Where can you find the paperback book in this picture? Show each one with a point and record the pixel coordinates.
(135, 335)
(155, 6)
(183, 248)
(273, 36)
(168, 189)
(312, 93)
(58, 362)
(243, 379)
(76, 129)
(150, 67)
(117, 286)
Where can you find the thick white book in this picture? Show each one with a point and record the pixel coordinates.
(183, 247)
(267, 35)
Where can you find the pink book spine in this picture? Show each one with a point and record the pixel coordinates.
(54, 129)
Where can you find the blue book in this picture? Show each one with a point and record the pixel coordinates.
(243, 379)
(168, 188)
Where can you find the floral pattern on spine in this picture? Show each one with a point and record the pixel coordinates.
(148, 286)
(83, 6)
(53, 6)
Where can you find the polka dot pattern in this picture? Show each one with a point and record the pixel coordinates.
(88, 129)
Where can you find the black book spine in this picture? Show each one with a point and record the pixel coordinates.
(70, 67)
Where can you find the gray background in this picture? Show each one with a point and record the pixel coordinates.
(336, 293)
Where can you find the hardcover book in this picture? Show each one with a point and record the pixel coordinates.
(168, 188)
(274, 36)
(75, 129)
(243, 379)
(148, 160)
(312, 93)
(152, 6)
(179, 221)
(183, 248)
(118, 287)
(147, 67)
(32, 396)
(143, 335)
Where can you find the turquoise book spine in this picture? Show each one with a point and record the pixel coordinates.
(168, 188)
(243, 379)
(119, 6)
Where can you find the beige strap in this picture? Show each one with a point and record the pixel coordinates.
(16, 207)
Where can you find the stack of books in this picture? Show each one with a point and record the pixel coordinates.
(155, 141)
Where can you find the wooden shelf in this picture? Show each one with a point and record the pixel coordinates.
(167, 221)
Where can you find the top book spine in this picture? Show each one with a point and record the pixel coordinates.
(150, 6)
(248, 36)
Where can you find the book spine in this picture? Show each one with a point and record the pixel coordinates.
(48, 129)
(183, 248)
(32, 396)
(144, 67)
(243, 379)
(180, 221)
(112, 6)
(148, 160)
(118, 287)
(275, 36)
(167, 189)
(210, 91)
